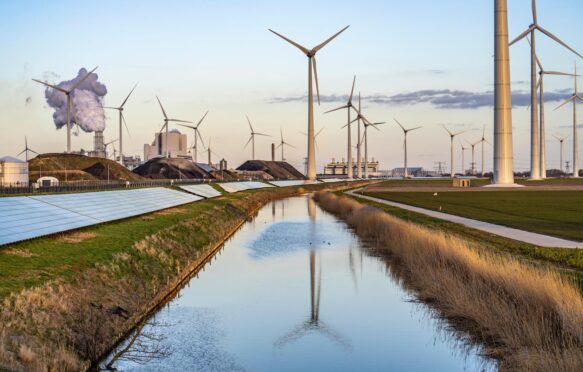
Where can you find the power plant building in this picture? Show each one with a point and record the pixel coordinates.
(340, 168)
(13, 172)
(177, 146)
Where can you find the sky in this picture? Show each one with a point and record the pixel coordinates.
(424, 62)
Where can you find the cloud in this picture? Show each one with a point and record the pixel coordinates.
(438, 98)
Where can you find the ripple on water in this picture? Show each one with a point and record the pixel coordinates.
(287, 237)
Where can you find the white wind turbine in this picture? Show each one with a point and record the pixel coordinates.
(358, 145)
(252, 138)
(367, 123)
(311, 54)
(122, 119)
(196, 136)
(209, 153)
(27, 150)
(463, 158)
(166, 121)
(282, 144)
(315, 138)
(473, 145)
(575, 97)
(68, 93)
(452, 136)
(482, 140)
(405, 132)
(535, 169)
(561, 140)
(348, 106)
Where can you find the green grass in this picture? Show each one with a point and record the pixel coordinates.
(556, 213)
(571, 260)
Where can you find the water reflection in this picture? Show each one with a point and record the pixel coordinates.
(261, 308)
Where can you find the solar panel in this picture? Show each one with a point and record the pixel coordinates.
(26, 217)
(206, 191)
(232, 187)
(293, 183)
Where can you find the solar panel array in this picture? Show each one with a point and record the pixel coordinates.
(328, 180)
(29, 217)
(293, 183)
(206, 191)
(232, 187)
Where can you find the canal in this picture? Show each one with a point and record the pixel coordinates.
(295, 290)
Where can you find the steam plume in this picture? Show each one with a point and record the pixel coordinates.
(86, 109)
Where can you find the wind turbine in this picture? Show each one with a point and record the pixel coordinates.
(358, 145)
(166, 121)
(252, 138)
(452, 136)
(26, 149)
(209, 153)
(311, 54)
(482, 140)
(282, 144)
(68, 93)
(114, 151)
(473, 145)
(574, 98)
(561, 140)
(367, 123)
(196, 136)
(535, 168)
(348, 106)
(405, 131)
(122, 119)
(107, 144)
(315, 137)
(463, 158)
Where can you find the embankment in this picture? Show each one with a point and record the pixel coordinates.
(69, 322)
(525, 317)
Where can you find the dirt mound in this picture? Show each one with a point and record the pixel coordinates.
(280, 170)
(73, 167)
(171, 168)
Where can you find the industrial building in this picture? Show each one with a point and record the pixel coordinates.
(340, 168)
(13, 172)
(177, 146)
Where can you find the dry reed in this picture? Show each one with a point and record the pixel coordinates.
(527, 318)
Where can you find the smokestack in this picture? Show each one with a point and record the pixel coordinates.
(503, 156)
(273, 152)
(99, 145)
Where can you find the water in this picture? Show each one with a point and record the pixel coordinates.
(294, 290)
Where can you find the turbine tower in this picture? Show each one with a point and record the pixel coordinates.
(358, 145)
(452, 136)
(535, 161)
(68, 93)
(166, 121)
(122, 119)
(473, 145)
(348, 106)
(252, 138)
(367, 123)
(405, 131)
(503, 157)
(561, 140)
(282, 144)
(463, 158)
(482, 140)
(311, 54)
(575, 97)
(26, 149)
(196, 136)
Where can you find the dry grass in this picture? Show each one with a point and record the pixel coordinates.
(18, 252)
(166, 212)
(527, 318)
(76, 237)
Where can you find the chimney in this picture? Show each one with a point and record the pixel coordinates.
(273, 152)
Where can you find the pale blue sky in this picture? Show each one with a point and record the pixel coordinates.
(218, 55)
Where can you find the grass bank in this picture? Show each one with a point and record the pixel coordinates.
(527, 318)
(67, 299)
(555, 213)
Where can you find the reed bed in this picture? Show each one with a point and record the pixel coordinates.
(527, 318)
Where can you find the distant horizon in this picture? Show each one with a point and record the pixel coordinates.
(425, 66)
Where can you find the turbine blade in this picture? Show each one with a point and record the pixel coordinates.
(352, 90)
(316, 78)
(528, 31)
(290, 145)
(187, 126)
(262, 134)
(51, 86)
(336, 109)
(197, 132)
(250, 138)
(249, 121)
(305, 50)
(123, 118)
(318, 132)
(564, 103)
(323, 44)
(558, 73)
(82, 80)
(448, 131)
(162, 107)
(412, 129)
(204, 116)
(33, 151)
(534, 19)
(179, 121)
(557, 40)
(125, 100)
(397, 121)
(20, 153)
